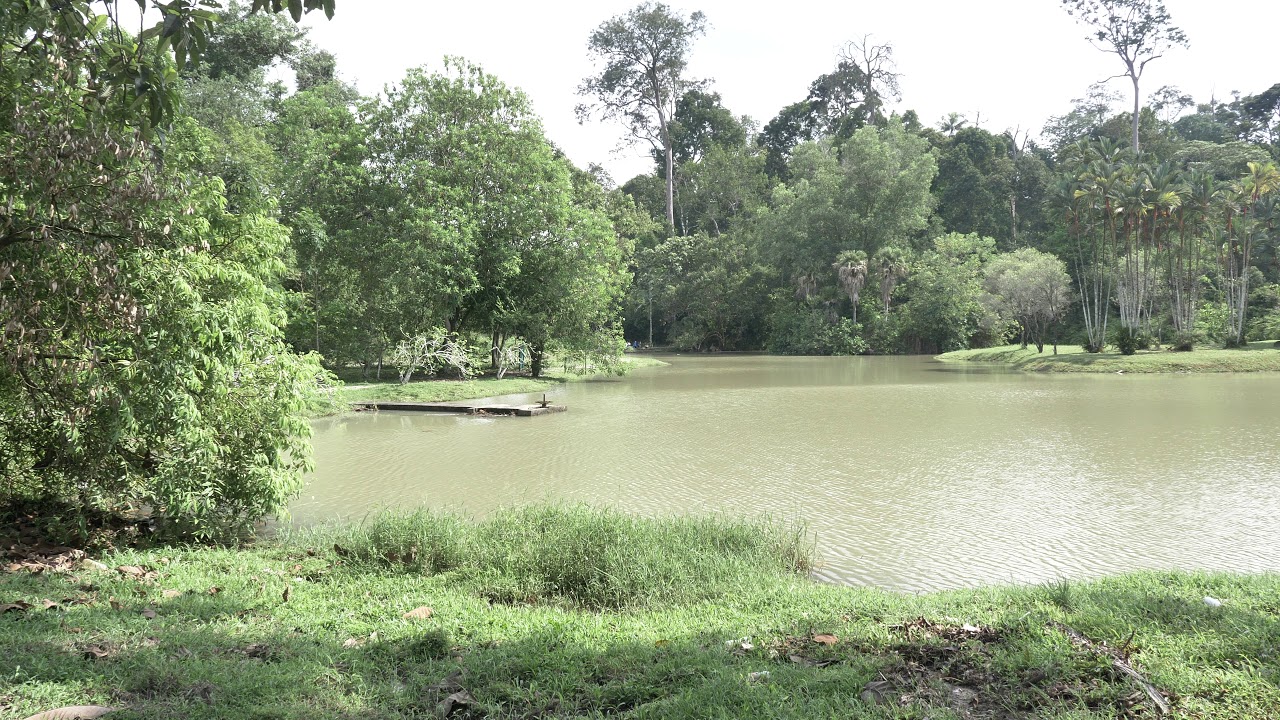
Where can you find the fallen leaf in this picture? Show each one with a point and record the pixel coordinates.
(758, 677)
(49, 604)
(827, 640)
(421, 613)
(148, 613)
(257, 650)
(115, 604)
(131, 570)
(352, 643)
(285, 596)
(172, 593)
(661, 643)
(454, 703)
(799, 660)
(96, 652)
(877, 692)
(19, 606)
(214, 590)
(75, 712)
(970, 628)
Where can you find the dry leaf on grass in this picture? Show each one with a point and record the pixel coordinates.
(421, 613)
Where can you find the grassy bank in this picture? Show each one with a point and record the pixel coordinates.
(453, 390)
(575, 613)
(1256, 357)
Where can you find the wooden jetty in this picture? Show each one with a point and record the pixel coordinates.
(462, 408)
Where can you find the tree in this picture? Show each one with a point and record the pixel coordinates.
(951, 123)
(1251, 216)
(891, 267)
(851, 269)
(140, 350)
(133, 72)
(645, 54)
(870, 191)
(1136, 31)
(942, 309)
(1029, 287)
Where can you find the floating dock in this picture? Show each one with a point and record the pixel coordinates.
(462, 408)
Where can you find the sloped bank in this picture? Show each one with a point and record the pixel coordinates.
(573, 612)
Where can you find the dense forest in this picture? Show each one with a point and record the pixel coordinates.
(200, 223)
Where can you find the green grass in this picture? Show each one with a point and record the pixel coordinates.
(568, 612)
(454, 390)
(1256, 357)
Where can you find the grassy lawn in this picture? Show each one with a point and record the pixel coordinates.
(453, 390)
(568, 612)
(1257, 357)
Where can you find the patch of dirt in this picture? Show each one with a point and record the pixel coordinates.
(955, 666)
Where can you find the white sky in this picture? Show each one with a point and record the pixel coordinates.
(1014, 62)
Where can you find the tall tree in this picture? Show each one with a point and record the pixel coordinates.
(645, 55)
(1136, 31)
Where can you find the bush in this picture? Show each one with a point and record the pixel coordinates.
(802, 330)
(1128, 341)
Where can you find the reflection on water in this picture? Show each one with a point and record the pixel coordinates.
(911, 477)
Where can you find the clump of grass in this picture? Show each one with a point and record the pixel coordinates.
(580, 556)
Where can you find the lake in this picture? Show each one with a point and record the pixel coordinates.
(912, 474)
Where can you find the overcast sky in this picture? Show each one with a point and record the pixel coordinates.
(1005, 63)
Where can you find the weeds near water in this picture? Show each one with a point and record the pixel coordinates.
(1059, 592)
(581, 556)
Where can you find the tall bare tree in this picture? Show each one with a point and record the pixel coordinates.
(1136, 31)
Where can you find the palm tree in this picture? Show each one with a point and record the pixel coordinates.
(1252, 200)
(891, 261)
(952, 123)
(1186, 257)
(851, 269)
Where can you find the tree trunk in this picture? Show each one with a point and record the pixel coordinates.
(669, 157)
(536, 352)
(650, 314)
(1136, 108)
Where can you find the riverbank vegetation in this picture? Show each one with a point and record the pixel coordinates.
(567, 612)
(1253, 357)
(190, 249)
(440, 390)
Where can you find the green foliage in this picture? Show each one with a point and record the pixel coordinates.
(581, 557)
(1030, 288)
(943, 289)
(867, 193)
(800, 329)
(1127, 341)
(644, 56)
(142, 318)
(706, 291)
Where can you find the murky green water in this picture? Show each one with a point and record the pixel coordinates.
(913, 474)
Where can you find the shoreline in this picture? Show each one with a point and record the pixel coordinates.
(438, 391)
(568, 612)
(1259, 356)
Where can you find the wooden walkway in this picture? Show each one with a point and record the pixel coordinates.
(477, 407)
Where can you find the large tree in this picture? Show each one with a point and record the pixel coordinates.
(1136, 31)
(644, 55)
(140, 349)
